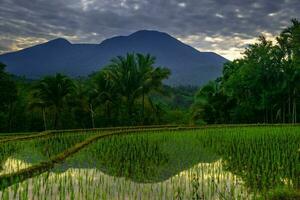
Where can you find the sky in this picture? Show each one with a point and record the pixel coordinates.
(225, 27)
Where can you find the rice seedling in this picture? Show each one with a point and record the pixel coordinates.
(215, 163)
(34, 151)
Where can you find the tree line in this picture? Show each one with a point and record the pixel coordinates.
(261, 87)
(128, 91)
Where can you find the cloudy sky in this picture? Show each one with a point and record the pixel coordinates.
(222, 26)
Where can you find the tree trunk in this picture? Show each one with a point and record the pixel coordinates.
(295, 111)
(92, 115)
(266, 113)
(10, 117)
(130, 104)
(143, 108)
(108, 114)
(283, 113)
(55, 118)
(44, 118)
(289, 107)
(294, 107)
(272, 120)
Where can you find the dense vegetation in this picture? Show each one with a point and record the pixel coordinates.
(261, 87)
(129, 91)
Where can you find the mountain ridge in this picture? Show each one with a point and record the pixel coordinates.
(188, 65)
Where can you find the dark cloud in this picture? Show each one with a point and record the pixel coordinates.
(223, 26)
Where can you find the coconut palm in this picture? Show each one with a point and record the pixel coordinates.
(51, 92)
(133, 77)
(39, 104)
(103, 92)
(202, 105)
(290, 40)
(150, 77)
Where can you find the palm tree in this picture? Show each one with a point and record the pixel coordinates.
(102, 92)
(290, 39)
(150, 77)
(134, 76)
(203, 107)
(38, 103)
(121, 74)
(80, 103)
(51, 92)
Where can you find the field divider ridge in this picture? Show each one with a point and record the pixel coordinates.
(82, 131)
(7, 180)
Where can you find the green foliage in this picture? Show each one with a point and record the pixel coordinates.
(261, 87)
(125, 92)
(8, 96)
(129, 81)
(283, 194)
(51, 92)
(8, 90)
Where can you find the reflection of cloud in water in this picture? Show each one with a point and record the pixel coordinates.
(145, 167)
(208, 180)
(13, 165)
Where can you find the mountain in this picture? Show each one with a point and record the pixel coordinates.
(188, 65)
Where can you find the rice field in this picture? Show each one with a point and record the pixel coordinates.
(242, 162)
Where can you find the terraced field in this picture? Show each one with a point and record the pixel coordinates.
(154, 162)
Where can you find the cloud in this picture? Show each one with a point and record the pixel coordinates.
(223, 26)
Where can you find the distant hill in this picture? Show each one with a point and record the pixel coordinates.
(188, 65)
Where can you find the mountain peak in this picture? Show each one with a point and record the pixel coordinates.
(149, 33)
(145, 31)
(141, 34)
(61, 41)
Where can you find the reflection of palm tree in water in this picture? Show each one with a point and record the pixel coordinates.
(46, 150)
(143, 159)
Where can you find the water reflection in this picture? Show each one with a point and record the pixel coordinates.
(34, 151)
(141, 159)
(203, 180)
